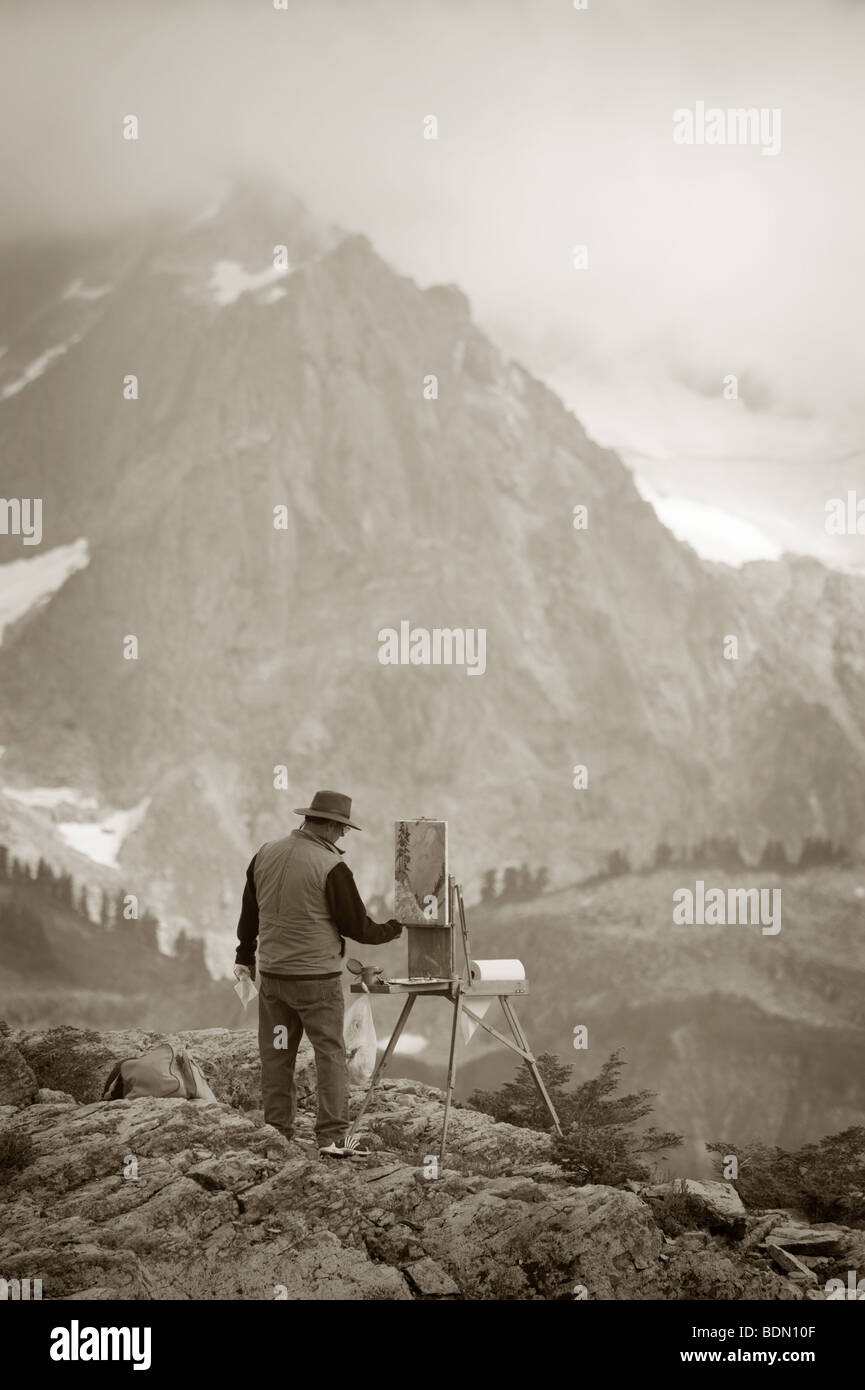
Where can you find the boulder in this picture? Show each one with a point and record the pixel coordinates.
(45, 1097)
(719, 1200)
(693, 1240)
(802, 1239)
(78, 1061)
(796, 1270)
(713, 1275)
(97, 1225)
(496, 1245)
(18, 1083)
(409, 1114)
(430, 1279)
(758, 1228)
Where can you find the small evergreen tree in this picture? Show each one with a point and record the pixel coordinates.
(488, 886)
(510, 884)
(731, 855)
(825, 1179)
(617, 864)
(599, 1144)
(774, 857)
(816, 851)
(148, 932)
(106, 911)
(24, 945)
(517, 1102)
(189, 955)
(44, 876)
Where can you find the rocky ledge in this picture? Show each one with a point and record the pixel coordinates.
(179, 1199)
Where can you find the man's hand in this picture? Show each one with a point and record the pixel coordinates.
(242, 970)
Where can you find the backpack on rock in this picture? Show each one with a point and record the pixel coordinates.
(165, 1071)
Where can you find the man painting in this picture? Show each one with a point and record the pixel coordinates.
(299, 903)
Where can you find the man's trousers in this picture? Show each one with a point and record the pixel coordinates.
(286, 1010)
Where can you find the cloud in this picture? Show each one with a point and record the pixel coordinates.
(555, 128)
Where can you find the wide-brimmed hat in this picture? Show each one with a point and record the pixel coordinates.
(329, 806)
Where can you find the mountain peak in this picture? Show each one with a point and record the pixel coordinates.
(452, 297)
(246, 219)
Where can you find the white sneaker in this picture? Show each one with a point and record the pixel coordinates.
(350, 1148)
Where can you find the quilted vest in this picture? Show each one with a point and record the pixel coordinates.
(296, 935)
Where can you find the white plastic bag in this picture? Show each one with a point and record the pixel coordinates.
(245, 988)
(360, 1039)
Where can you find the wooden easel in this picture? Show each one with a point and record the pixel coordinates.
(457, 990)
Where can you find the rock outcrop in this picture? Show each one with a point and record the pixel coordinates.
(175, 1199)
(719, 1201)
(78, 1060)
(17, 1081)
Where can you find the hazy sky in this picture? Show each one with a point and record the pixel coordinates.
(554, 128)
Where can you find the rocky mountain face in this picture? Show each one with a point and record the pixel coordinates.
(303, 388)
(163, 1199)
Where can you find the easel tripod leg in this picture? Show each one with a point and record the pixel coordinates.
(383, 1060)
(452, 1071)
(517, 1030)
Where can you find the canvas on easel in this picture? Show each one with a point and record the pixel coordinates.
(422, 897)
(421, 873)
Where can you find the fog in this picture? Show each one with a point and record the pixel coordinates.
(554, 128)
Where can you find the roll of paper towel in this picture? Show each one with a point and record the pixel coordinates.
(483, 970)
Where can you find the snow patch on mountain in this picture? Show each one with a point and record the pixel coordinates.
(713, 533)
(78, 290)
(24, 584)
(229, 280)
(38, 366)
(207, 214)
(46, 798)
(102, 840)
